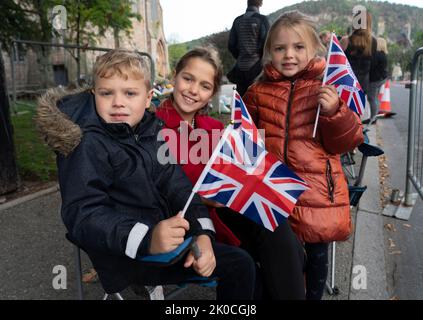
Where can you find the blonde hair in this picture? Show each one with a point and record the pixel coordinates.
(382, 45)
(121, 62)
(303, 25)
(361, 39)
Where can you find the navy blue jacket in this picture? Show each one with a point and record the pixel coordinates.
(114, 191)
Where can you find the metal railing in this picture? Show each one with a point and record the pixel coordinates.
(414, 176)
(65, 46)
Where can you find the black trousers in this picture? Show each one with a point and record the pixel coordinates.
(235, 273)
(244, 79)
(279, 255)
(316, 269)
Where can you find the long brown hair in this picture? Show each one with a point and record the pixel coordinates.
(361, 39)
(207, 54)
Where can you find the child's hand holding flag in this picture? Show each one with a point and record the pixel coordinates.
(338, 73)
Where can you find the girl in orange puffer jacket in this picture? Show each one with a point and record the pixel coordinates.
(284, 102)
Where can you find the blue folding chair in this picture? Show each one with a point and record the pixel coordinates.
(160, 260)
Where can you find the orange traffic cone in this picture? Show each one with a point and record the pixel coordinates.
(385, 101)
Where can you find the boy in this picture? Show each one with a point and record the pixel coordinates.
(119, 202)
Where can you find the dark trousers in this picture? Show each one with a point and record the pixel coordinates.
(279, 255)
(235, 273)
(244, 79)
(316, 269)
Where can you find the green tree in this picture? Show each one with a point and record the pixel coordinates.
(16, 23)
(334, 27)
(220, 42)
(88, 19)
(176, 51)
(418, 39)
(399, 55)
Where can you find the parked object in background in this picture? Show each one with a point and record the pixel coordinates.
(224, 104)
(385, 101)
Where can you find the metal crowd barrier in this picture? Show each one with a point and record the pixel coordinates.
(414, 176)
(65, 46)
(402, 207)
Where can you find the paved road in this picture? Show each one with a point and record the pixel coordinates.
(32, 239)
(32, 243)
(404, 246)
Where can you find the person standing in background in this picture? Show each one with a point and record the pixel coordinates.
(378, 76)
(246, 42)
(360, 48)
(325, 37)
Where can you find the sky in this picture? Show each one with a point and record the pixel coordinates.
(185, 20)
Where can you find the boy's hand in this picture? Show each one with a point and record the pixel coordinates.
(168, 234)
(329, 100)
(205, 265)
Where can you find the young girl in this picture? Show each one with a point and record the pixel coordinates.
(360, 48)
(377, 78)
(284, 102)
(197, 79)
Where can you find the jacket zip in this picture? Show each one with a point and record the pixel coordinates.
(329, 181)
(285, 147)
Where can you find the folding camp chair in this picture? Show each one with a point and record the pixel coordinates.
(348, 163)
(356, 190)
(154, 292)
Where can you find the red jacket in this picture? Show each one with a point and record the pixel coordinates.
(191, 167)
(286, 109)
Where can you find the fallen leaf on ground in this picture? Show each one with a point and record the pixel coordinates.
(90, 276)
(406, 225)
(390, 227)
(391, 243)
(395, 252)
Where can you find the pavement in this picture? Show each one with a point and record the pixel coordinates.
(33, 244)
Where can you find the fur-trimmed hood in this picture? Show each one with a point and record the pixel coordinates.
(63, 117)
(58, 112)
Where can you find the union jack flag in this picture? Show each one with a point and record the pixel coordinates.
(242, 175)
(339, 73)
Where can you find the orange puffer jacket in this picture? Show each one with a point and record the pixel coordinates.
(286, 110)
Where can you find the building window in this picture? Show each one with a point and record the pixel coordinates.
(19, 53)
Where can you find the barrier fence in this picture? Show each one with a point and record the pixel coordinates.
(414, 176)
(37, 66)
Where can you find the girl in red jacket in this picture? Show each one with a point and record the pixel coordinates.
(284, 103)
(197, 79)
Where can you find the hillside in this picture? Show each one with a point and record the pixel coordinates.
(389, 20)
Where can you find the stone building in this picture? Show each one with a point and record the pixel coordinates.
(147, 35)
